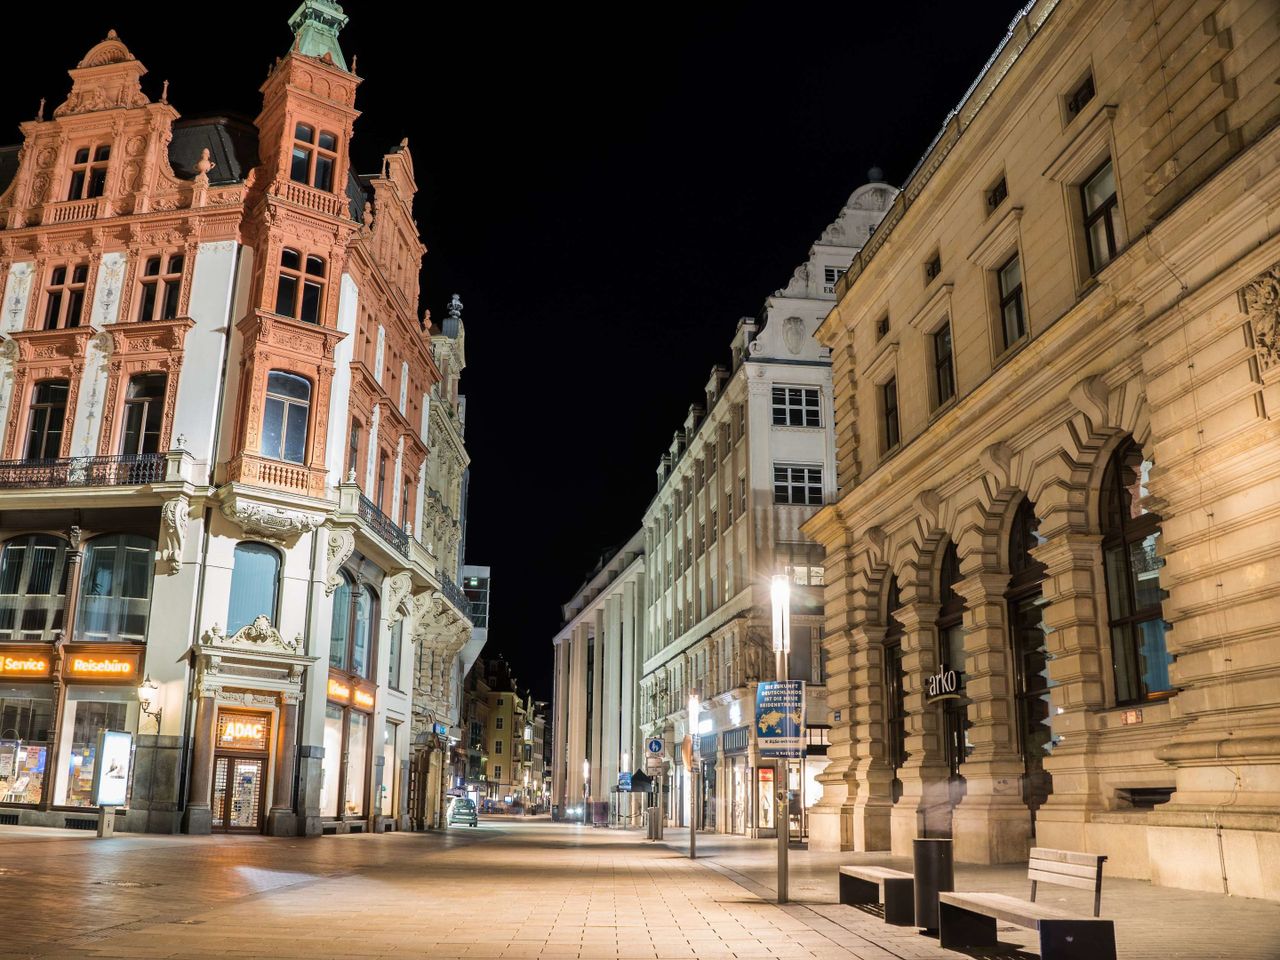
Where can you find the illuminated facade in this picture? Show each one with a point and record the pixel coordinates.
(216, 411)
(742, 474)
(1052, 567)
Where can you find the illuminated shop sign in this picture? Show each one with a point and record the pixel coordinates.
(25, 664)
(242, 731)
(363, 698)
(339, 691)
(100, 666)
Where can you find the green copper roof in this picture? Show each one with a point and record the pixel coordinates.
(315, 27)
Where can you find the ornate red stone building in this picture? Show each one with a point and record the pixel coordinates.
(218, 530)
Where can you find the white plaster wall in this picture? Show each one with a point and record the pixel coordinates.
(404, 386)
(106, 291)
(339, 394)
(87, 421)
(213, 285)
(225, 417)
(425, 430)
(397, 482)
(371, 455)
(379, 356)
(17, 294)
(170, 629)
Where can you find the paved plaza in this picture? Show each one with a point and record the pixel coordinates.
(508, 888)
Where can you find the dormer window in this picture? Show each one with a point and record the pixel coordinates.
(161, 287)
(314, 157)
(300, 286)
(830, 277)
(89, 172)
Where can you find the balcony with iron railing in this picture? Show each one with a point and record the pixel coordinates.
(128, 470)
(383, 525)
(454, 595)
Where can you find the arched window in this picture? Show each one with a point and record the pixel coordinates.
(300, 285)
(255, 583)
(894, 687)
(955, 713)
(115, 587)
(33, 587)
(143, 414)
(46, 418)
(352, 632)
(1129, 535)
(284, 417)
(1026, 628)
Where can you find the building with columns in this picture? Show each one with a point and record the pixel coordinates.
(594, 723)
(1052, 565)
(747, 467)
(216, 403)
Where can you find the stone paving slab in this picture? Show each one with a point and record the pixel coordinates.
(516, 889)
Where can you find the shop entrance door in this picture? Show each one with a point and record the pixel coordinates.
(239, 788)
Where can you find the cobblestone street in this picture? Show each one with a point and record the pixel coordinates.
(508, 888)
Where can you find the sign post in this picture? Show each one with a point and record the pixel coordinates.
(780, 720)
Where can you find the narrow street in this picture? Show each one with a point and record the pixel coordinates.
(508, 888)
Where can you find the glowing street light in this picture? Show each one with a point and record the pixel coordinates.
(586, 788)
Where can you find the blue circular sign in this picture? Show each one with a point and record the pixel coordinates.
(655, 745)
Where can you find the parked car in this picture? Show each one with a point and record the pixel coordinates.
(463, 810)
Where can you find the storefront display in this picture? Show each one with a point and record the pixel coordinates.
(348, 750)
(764, 798)
(88, 719)
(242, 750)
(24, 747)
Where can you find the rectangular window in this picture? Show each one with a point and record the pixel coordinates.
(889, 413)
(393, 656)
(830, 277)
(944, 375)
(882, 327)
(497, 772)
(64, 296)
(353, 449)
(1098, 198)
(161, 287)
(796, 407)
(933, 268)
(1013, 318)
(997, 195)
(498, 722)
(802, 561)
(797, 484)
(1078, 98)
(497, 747)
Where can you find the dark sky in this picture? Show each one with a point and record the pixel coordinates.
(608, 187)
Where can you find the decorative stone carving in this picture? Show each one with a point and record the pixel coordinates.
(1090, 396)
(273, 524)
(997, 460)
(397, 593)
(260, 634)
(1260, 301)
(173, 534)
(793, 334)
(341, 544)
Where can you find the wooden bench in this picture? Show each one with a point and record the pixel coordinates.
(969, 919)
(893, 888)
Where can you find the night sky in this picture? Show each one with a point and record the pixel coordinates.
(608, 188)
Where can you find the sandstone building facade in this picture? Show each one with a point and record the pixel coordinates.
(1052, 567)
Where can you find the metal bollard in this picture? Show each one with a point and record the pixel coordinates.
(934, 874)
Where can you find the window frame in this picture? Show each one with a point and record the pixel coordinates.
(809, 481)
(287, 403)
(304, 284)
(947, 361)
(1106, 213)
(150, 406)
(54, 603)
(35, 405)
(890, 414)
(794, 405)
(1016, 296)
(59, 295)
(87, 178)
(315, 153)
(257, 548)
(354, 591)
(152, 306)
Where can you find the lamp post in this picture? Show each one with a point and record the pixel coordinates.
(780, 594)
(586, 788)
(695, 707)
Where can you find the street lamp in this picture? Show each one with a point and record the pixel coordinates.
(695, 707)
(146, 697)
(586, 791)
(780, 593)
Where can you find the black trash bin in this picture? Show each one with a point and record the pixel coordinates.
(934, 874)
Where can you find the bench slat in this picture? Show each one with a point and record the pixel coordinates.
(873, 872)
(1063, 869)
(1010, 909)
(1067, 856)
(1080, 883)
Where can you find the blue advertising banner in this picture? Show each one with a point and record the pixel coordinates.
(624, 781)
(780, 719)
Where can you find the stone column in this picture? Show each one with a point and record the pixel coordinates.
(1074, 608)
(924, 809)
(199, 814)
(991, 824)
(281, 820)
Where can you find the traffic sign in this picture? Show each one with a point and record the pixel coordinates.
(656, 745)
